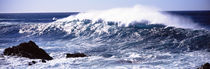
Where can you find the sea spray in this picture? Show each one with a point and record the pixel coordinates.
(100, 20)
(138, 13)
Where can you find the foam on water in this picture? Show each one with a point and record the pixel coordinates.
(145, 60)
(138, 13)
(99, 20)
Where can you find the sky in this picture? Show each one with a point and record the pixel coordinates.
(22, 6)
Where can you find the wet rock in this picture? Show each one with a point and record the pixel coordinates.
(43, 61)
(205, 66)
(68, 55)
(32, 62)
(28, 50)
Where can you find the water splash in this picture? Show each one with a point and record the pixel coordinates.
(138, 13)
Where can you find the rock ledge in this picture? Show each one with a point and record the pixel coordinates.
(28, 50)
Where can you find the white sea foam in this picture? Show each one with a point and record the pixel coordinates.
(179, 61)
(121, 16)
(138, 13)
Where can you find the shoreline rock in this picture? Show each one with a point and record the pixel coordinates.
(43, 61)
(205, 66)
(32, 62)
(28, 50)
(68, 55)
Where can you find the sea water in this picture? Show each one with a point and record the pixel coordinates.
(120, 38)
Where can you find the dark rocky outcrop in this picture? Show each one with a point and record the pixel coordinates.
(68, 55)
(205, 66)
(28, 50)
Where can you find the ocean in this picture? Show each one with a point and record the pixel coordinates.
(129, 39)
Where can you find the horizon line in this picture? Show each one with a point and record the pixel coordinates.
(80, 12)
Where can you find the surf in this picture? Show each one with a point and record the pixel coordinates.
(138, 13)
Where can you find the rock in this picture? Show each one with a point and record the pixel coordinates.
(28, 50)
(43, 61)
(68, 55)
(31, 63)
(205, 66)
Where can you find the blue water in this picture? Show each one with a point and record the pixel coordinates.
(33, 17)
(139, 44)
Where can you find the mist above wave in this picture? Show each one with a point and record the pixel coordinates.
(101, 21)
(138, 13)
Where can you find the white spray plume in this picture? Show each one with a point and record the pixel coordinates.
(138, 13)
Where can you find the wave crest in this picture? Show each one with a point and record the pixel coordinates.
(138, 13)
